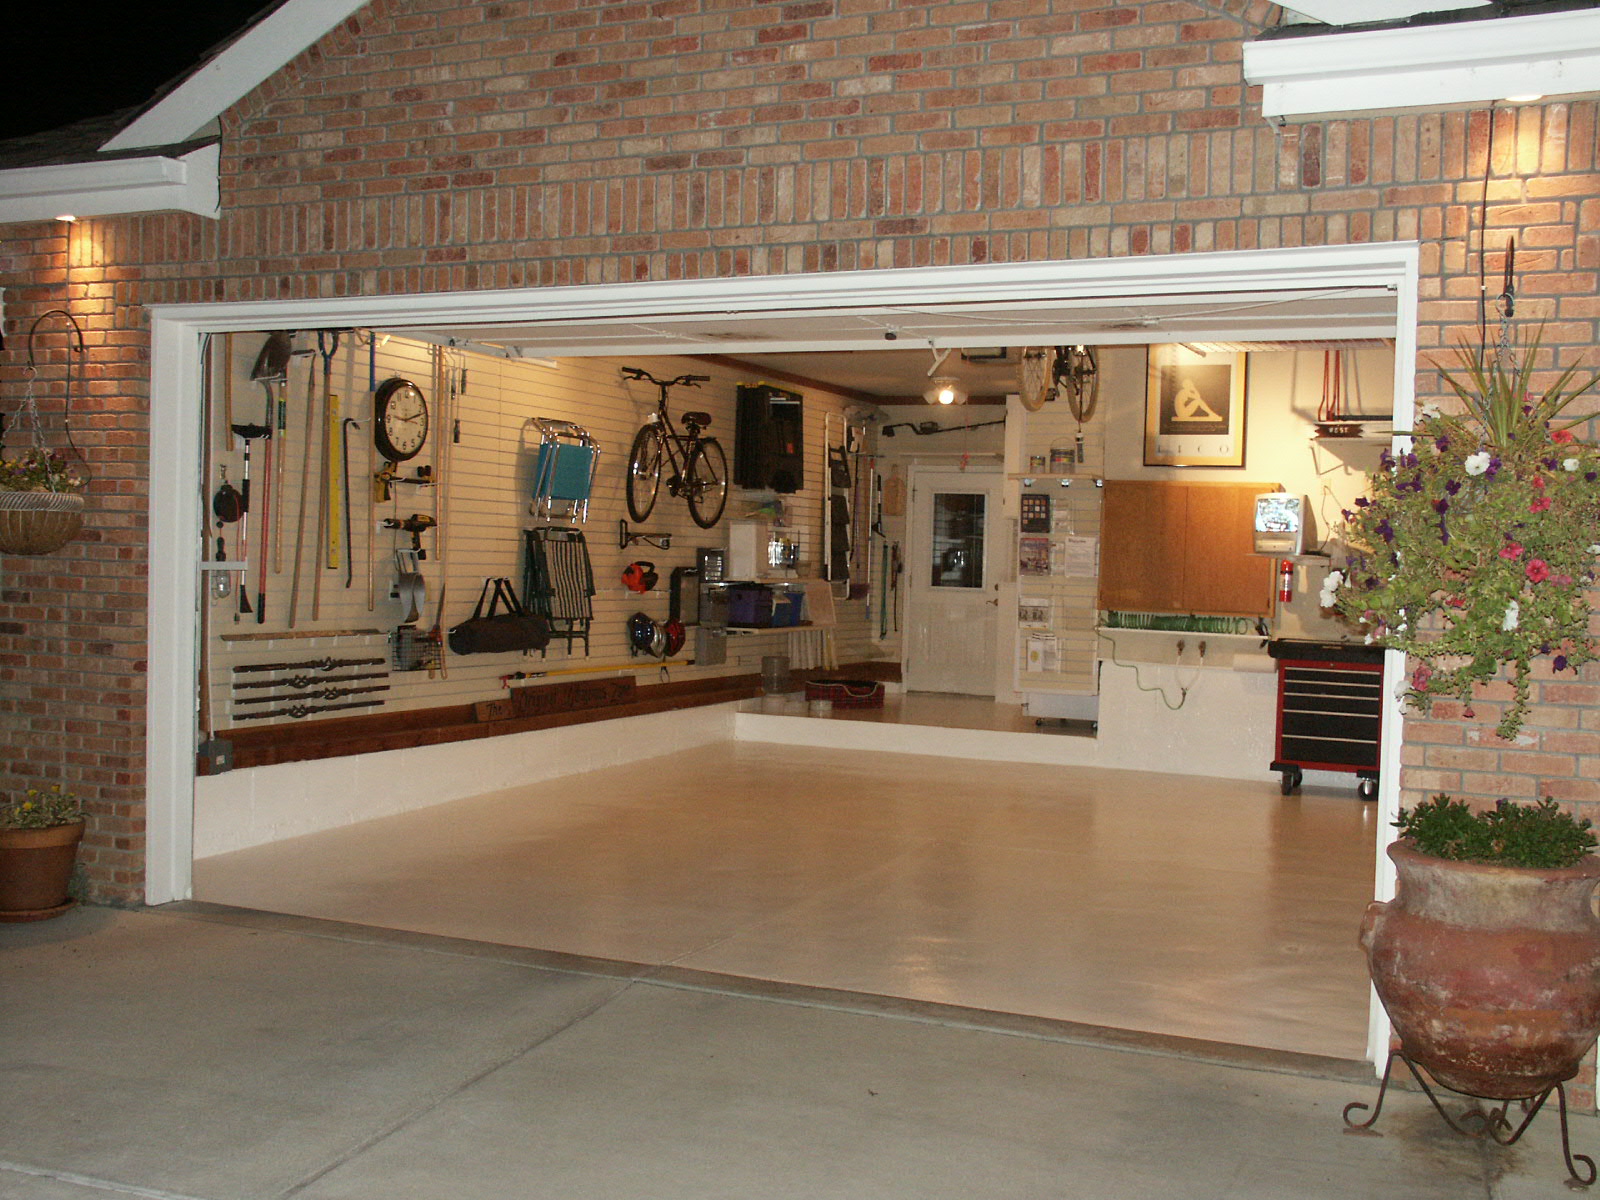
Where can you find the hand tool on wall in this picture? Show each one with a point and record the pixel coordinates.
(344, 479)
(305, 487)
(306, 681)
(310, 664)
(248, 434)
(272, 367)
(327, 346)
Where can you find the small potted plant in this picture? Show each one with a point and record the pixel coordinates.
(1475, 549)
(39, 836)
(41, 503)
(1488, 959)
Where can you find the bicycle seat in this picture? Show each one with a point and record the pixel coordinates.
(701, 419)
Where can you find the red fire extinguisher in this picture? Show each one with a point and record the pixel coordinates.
(1285, 580)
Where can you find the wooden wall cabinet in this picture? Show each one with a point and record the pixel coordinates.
(1170, 547)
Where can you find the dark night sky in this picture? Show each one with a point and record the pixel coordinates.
(67, 61)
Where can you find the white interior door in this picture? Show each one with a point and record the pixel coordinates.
(953, 595)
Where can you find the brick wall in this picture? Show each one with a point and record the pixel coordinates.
(428, 145)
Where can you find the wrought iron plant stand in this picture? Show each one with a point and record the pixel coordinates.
(1476, 1122)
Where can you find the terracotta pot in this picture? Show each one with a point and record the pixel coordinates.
(1491, 975)
(36, 869)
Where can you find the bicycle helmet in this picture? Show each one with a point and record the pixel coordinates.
(640, 576)
(675, 634)
(641, 633)
(658, 640)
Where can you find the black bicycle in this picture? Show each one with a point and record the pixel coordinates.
(697, 468)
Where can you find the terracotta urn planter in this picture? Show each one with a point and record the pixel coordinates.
(1490, 974)
(36, 871)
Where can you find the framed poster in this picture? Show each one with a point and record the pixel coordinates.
(1194, 408)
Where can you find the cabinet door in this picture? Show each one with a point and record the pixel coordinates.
(1222, 573)
(1142, 546)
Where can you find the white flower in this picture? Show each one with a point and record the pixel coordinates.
(1428, 410)
(1569, 464)
(1513, 616)
(1476, 464)
(1330, 588)
(1595, 549)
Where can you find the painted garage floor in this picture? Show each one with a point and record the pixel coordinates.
(1181, 906)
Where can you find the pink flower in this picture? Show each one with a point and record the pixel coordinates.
(1420, 677)
(1540, 504)
(1562, 435)
(1537, 570)
(1538, 482)
(1511, 551)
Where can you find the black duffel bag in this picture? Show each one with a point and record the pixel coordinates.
(497, 632)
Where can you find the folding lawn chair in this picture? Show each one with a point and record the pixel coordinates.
(558, 582)
(563, 471)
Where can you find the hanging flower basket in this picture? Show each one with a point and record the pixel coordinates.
(38, 522)
(1475, 549)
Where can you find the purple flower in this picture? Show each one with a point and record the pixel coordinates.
(1385, 530)
(1363, 502)
(1494, 468)
(1452, 486)
(1588, 476)
(1441, 505)
(1560, 662)
(1441, 443)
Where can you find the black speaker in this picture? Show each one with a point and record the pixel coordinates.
(769, 439)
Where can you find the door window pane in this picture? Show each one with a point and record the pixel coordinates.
(958, 520)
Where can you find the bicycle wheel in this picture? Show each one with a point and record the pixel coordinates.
(707, 485)
(1035, 381)
(644, 472)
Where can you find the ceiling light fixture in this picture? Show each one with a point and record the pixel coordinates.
(945, 390)
(1525, 98)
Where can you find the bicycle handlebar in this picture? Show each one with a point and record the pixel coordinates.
(664, 384)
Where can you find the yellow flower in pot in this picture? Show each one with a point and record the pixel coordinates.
(39, 836)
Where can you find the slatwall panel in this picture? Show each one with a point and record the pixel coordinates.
(483, 508)
(1075, 510)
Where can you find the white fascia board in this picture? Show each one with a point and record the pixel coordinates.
(244, 64)
(1451, 65)
(1359, 12)
(1376, 264)
(115, 187)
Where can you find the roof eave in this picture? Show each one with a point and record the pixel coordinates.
(115, 187)
(189, 108)
(1440, 66)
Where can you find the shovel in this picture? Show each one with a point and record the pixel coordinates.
(272, 367)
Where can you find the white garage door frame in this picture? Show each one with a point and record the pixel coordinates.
(176, 452)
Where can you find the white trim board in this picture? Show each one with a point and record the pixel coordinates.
(115, 187)
(1451, 65)
(176, 466)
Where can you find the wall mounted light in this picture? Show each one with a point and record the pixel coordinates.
(945, 390)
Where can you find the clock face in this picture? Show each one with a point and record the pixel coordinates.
(400, 420)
